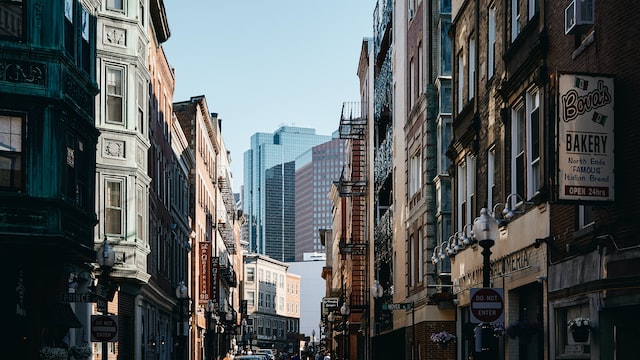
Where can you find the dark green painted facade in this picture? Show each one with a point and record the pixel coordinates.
(47, 164)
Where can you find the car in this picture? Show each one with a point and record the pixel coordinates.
(267, 352)
(249, 357)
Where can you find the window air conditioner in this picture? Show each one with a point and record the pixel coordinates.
(578, 14)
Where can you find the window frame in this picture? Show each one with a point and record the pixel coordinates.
(21, 29)
(491, 41)
(111, 5)
(515, 19)
(117, 208)
(15, 157)
(471, 67)
(109, 94)
(533, 142)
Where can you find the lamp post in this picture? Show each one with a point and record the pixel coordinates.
(345, 311)
(106, 258)
(485, 230)
(182, 294)
(320, 335)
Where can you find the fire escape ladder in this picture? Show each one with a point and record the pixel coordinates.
(353, 184)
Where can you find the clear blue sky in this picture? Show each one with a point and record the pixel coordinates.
(263, 64)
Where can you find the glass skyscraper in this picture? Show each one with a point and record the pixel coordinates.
(269, 189)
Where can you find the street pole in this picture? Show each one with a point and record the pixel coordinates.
(485, 229)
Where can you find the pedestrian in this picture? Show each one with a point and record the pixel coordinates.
(327, 356)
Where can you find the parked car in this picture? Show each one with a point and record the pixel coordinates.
(267, 352)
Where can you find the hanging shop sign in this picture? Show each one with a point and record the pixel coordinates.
(585, 137)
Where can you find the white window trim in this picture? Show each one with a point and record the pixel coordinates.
(533, 177)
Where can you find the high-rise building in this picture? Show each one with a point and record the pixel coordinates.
(316, 170)
(269, 189)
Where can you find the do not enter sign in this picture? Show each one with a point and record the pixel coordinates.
(487, 305)
(104, 328)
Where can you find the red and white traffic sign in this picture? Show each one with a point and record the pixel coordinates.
(104, 328)
(487, 305)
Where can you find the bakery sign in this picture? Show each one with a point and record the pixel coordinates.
(585, 137)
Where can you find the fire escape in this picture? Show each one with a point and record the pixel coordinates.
(226, 218)
(353, 185)
(383, 166)
(225, 223)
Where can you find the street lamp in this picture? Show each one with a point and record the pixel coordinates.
(106, 258)
(345, 311)
(182, 294)
(485, 230)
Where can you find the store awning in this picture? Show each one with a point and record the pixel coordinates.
(59, 315)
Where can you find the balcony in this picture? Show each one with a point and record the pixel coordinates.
(229, 275)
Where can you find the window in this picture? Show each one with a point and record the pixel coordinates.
(525, 144)
(420, 71)
(141, 13)
(460, 71)
(415, 173)
(491, 175)
(115, 5)
(75, 180)
(69, 33)
(443, 141)
(491, 47)
(533, 142)
(11, 159)
(251, 274)
(113, 207)
(140, 206)
(472, 67)
(114, 95)
(412, 261)
(412, 84)
(445, 6)
(585, 216)
(515, 19)
(141, 101)
(533, 8)
(85, 41)
(445, 96)
(421, 250)
(466, 187)
(78, 21)
(11, 19)
(446, 52)
(517, 145)
(251, 298)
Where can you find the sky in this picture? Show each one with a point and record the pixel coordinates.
(266, 64)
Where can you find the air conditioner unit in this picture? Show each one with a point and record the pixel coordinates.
(578, 14)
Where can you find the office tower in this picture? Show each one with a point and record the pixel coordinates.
(316, 170)
(269, 188)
